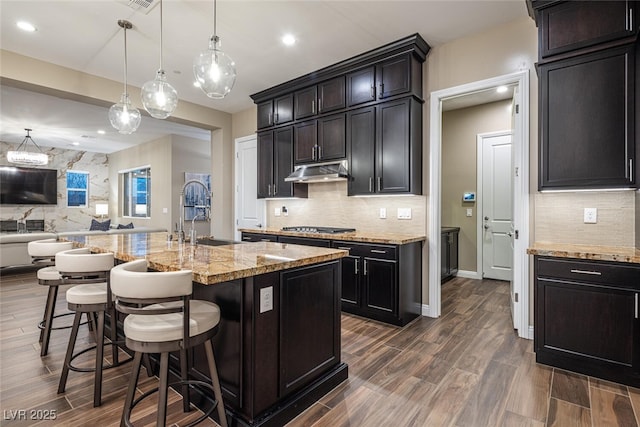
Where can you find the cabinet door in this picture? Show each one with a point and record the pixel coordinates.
(265, 164)
(393, 77)
(361, 133)
(331, 138)
(380, 285)
(331, 95)
(453, 252)
(283, 162)
(265, 114)
(589, 321)
(574, 25)
(587, 135)
(445, 271)
(351, 297)
(305, 102)
(361, 86)
(393, 139)
(304, 142)
(256, 237)
(283, 109)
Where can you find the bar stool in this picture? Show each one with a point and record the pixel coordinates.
(169, 320)
(43, 253)
(90, 296)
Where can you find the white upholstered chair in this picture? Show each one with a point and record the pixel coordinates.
(43, 252)
(163, 318)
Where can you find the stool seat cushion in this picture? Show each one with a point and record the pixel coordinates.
(48, 273)
(94, 293)
(204, 315)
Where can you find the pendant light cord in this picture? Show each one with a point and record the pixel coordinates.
(125, 60)
(214, 19)
(161, 69)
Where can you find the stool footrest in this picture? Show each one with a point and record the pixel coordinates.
(93, 347)
(71, 313)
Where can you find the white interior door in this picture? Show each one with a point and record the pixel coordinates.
(250, 211)
(497, 205)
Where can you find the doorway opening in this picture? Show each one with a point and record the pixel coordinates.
(520, 192)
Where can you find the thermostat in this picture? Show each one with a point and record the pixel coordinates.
(469, 197)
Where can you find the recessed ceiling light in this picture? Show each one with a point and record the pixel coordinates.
(75, 143)
(288, 39)
(101, 131)
(26, 26)
(501, 89)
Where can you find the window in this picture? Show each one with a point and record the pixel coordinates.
(77, 189)
(136, 190)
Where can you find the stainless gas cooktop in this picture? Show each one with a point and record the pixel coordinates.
(315, 229)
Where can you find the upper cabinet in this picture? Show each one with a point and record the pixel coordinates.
(366, 109)
(587, 94)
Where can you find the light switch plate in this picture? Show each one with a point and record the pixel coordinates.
(404, 213)
(276, 211)
(266, 299)
(590, 215)
(383, 213)
(469, 212)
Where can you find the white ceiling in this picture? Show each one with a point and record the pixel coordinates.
(84, 35)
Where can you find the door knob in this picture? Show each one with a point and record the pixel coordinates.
(486, 226)
(486, 218)
(259, 225)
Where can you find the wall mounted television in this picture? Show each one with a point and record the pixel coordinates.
(28, 186)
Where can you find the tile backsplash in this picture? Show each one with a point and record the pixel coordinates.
(559, 217)
(328, 205)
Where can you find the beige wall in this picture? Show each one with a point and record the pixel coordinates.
(31, 74)
(459, 169)
(244, 123)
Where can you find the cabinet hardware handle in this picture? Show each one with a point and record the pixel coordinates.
(381, 89)
(593, 273)
(269, 189)
(636, 305)
(356, 272)
(365, 267)
(314, 155)
(320, 105)
(631, 170)
(246, 238)
(379, 181)
(270, 118)
(370, 184)
(313, 107)
(276, 117)
(373, 92)
(275, 189)
(346, 248)
(265, 240)
(319, 151)
(378, 251)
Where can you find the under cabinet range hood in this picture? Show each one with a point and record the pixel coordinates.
(324, 172)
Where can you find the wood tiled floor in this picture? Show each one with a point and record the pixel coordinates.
(467, 368)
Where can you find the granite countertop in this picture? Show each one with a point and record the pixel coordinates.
(356, 236)
(210, 264)
(590, 252)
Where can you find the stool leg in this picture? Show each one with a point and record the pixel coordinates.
(114, 331)
(147, 365)
(97, 386)
(45, 333)
(217, 392)
(184, 376)
(67, 359)
(163, 390)
(131, 391)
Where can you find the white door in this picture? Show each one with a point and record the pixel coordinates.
(497, 206)
(250, 211)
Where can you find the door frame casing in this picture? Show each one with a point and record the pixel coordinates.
(521, 191)
(236, 186)
(480, 200)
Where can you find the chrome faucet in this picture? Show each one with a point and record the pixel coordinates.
(180, 230)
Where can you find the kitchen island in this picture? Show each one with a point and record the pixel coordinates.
(278, 347)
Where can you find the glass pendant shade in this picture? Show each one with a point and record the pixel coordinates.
(214, 71)
(159, 98)
(124, 116)
(21, 156)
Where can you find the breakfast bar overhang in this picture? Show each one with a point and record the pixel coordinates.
(278, 346)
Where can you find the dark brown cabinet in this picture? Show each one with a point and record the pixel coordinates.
(587, 92)
(320, 140)
(394, 163)
(275, 111)
(275, 163)
(586, 317)
(257, 237)
(381, 282)
(319, 99)
(448, 253)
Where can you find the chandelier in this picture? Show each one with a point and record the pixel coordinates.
(21, 156)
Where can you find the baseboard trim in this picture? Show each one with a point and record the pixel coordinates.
(466, 274)
(427, 311)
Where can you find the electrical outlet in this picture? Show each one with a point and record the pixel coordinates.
(276, 211)
(383, 213)
(590, 215)
(266, 299)
(404, 213)
(285, 211)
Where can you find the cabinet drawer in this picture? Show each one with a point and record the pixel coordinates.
(255, 237)
(371, 251)
(620, 275)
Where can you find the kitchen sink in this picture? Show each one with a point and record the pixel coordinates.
(210, 241)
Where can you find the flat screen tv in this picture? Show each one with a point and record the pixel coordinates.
(28, 186)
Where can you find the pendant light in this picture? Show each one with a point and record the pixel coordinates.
(159, 98)
(124, 116)
(214, 70)
(21, 156)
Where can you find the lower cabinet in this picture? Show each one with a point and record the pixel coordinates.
(257, 237)
(586, 317)
(449, 253)
(382, 282)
